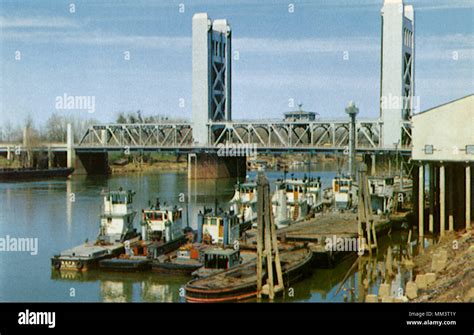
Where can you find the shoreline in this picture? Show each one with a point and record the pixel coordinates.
(450, 264)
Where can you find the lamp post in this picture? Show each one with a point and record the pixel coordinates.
(352, 111)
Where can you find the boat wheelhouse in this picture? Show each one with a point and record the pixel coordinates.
(162, 223)
(244, 203)
(297, 200)
(216, 260)
(314, 190)
(116, 219)
(220, 228)
(342, 189)
(381, 190)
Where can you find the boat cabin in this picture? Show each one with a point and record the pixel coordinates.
(223, 228)
(341, 187)
(221, 259)
(116, 219)
(162, 223)
(245, 192)
(381, 191)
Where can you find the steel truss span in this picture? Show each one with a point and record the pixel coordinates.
(265, 135)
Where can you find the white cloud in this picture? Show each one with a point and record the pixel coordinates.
(97, 38)
(307, 45)
(445, 47)
(36, 22)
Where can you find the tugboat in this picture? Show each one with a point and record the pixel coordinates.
(240, 282)
(315, 192)
(215, 231)
(116, 230)
(295, 198)
(244, 204)
(162, 233)
(343, 191)
(163, 226)
(381, 191)
(220, 259)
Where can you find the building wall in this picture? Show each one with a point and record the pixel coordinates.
(449, 128)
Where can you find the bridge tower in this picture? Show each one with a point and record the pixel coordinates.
(211, 77)
(397, 70)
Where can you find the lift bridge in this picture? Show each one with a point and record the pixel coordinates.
(212, 125)
(268, 136)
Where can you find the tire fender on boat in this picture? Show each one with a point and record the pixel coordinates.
(57, 264)
(79, 265)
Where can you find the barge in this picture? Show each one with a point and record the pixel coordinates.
(8, 174)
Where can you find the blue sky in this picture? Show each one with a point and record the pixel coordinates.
(282, 55)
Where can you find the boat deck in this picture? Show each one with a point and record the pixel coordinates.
(90, 250)
(246, 273)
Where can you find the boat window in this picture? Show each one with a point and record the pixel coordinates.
(216, 261)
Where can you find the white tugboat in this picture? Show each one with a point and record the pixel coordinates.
(344, 193)
(297, 199)
(115, 232)
(162, 233)
(162, 226)
(381, 191)
(244, 204)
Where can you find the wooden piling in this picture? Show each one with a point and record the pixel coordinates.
(442, 199)
(266, 238)
(468, 197)
(421, 201)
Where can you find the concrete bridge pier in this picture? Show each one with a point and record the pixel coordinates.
(212, 166)
(92, 163)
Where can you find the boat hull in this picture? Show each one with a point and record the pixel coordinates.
(175, 267)
(33, 174)
(87, 256)
(196, 292)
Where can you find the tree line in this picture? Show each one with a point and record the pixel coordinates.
(54, 130)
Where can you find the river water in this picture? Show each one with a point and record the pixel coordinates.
(63, 213)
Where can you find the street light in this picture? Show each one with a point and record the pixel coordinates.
(352, 111)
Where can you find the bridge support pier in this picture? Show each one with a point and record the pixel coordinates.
(212, 166)
(92, 163)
